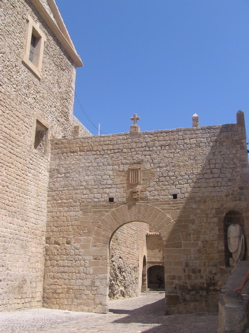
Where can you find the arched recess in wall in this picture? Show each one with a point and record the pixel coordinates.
(234, 237)
(127, 261)
(156, 277)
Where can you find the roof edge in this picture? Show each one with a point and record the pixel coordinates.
(59, 31)
(57, 15)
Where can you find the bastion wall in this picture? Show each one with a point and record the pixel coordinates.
(65, 193)
(28, 104)
(182, 182)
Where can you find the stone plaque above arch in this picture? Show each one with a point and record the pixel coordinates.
(134, 182)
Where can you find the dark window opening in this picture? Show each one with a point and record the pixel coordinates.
(34, 41)
(35, 48)
(40, 136)
(174, 196)
(111, 199)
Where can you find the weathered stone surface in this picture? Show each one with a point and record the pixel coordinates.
(232, 298)
(201, 165)
(233, 315)
(233, 306)
(62, 201)
(24, 169)
(127, 249)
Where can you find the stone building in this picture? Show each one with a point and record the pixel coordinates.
(77, 208)
(188, 184)
(37, 93)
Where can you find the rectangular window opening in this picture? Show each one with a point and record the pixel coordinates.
(40, 136)
(34, 51)
(34, 47)
(111, 199)
(174, 196)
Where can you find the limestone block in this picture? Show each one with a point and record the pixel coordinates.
(232, 314)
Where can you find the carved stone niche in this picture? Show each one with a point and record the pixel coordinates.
(134, 180)
(135, 193)
(134, 176)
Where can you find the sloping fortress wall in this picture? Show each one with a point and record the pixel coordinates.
(185, 183)
(36, 104)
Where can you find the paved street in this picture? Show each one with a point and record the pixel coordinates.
(137, 315)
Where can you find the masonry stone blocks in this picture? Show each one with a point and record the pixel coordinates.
(205, 166)
(74, 205)
(28, 104)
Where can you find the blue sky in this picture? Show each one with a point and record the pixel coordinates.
(162, 59)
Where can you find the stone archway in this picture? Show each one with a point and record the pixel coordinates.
(127, 251)
(157, 218)
(156, 277)
(113, 220)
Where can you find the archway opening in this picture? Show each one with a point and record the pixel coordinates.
(155, 261)
(156, 277)
(130, 247)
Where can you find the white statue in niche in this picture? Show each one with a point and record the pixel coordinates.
(236, 243)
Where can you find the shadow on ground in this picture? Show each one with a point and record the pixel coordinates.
(154, 314)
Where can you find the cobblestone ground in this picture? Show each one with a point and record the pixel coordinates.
(137, 315)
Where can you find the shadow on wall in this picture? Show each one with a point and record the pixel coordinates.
(202, 255)
(195, 247)
(190, 179)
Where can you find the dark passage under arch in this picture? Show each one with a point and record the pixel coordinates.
(156, 277)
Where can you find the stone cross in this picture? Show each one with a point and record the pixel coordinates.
(135, 118)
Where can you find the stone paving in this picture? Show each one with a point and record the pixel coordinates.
(137, 315)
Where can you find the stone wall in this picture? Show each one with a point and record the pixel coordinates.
(206, 161)
(26, 101)
(154, 248)
(127, 249)
(155, 261)
(233, 306)
(186, 180)
(185, 183)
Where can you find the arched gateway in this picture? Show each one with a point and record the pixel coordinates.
(119, 216)
(65, 192)
(77, 265)
(137, 212)
(178, 181)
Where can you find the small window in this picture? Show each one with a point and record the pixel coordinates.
(40, 142)
(34, 47)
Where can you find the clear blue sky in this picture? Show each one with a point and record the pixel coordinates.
(162, 59)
